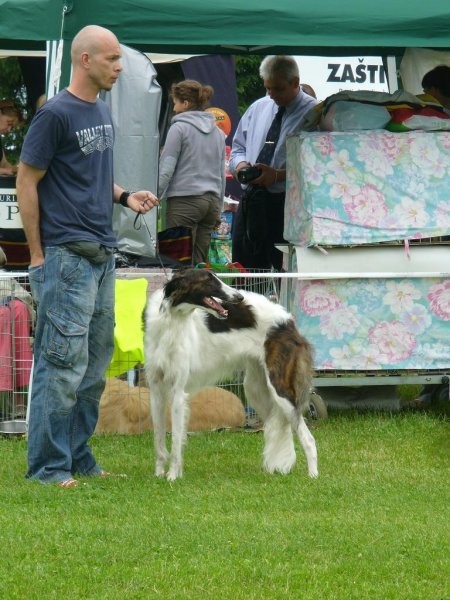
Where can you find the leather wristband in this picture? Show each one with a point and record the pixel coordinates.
(123, 199)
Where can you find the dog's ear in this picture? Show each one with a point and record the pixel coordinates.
(170, 288)
(177, 283)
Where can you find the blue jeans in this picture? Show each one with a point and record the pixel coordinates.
(74, 342)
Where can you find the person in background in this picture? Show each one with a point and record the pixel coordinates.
(286, 101)
(308, 90)
(66, 191)
(436, 83)
(10, 117)
(192, 166)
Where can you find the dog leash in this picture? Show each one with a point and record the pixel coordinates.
(138, 220)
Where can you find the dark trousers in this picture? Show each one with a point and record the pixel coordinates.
(268, 256)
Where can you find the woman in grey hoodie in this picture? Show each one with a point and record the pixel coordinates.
(192, 166)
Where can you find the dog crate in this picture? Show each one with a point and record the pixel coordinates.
(260, 281)
(127, 365)
(126, 378)
(16, 330)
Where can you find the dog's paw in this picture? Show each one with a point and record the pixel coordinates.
(284, 467)
(159, 472)
(174, 473)
(314, 474)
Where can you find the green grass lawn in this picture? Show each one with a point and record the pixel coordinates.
(375, 525)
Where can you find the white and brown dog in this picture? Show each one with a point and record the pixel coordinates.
(199, 331)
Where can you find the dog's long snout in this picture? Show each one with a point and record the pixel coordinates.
(231, 294)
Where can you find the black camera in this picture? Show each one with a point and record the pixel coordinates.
(248, 174)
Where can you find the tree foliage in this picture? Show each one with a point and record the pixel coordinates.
(12, 87)
(248, 82)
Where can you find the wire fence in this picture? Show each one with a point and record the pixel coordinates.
(16, 337)
(16, 329)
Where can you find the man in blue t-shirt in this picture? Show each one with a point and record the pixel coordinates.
(65, 191)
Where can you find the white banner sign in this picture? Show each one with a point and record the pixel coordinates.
(330, 75)
(9, 210)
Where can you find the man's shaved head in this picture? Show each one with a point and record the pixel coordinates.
(96, 62)
(90, 39)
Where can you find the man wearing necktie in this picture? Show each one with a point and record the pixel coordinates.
(260, 140)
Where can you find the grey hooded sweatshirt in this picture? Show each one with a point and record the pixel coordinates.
(193, 158)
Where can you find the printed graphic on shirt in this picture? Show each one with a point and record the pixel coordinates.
(98, 138)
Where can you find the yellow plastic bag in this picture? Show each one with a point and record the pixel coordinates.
(131, 297)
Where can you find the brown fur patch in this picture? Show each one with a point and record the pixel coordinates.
(289, 360)
(240, 316)
(126, 410)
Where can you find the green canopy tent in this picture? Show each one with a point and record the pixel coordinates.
(354, 27)
(322, 27)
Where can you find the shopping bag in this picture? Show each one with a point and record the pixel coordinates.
(176, 243)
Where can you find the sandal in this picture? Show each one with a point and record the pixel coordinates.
(68, 483)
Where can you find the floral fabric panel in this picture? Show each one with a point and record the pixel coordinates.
(376, 324)
(367, 187)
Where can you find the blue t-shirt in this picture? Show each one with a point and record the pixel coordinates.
(73, 141)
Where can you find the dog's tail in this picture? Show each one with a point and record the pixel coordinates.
(304, 373)
(289, 357)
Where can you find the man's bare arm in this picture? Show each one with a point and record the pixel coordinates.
(27, 197)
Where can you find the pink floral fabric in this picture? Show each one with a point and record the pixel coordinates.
(376, 324)
(367, 187)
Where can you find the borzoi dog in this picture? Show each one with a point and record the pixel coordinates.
(198, 331)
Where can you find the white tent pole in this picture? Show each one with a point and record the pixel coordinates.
(392, 74)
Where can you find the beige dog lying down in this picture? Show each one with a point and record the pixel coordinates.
(126, 410)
